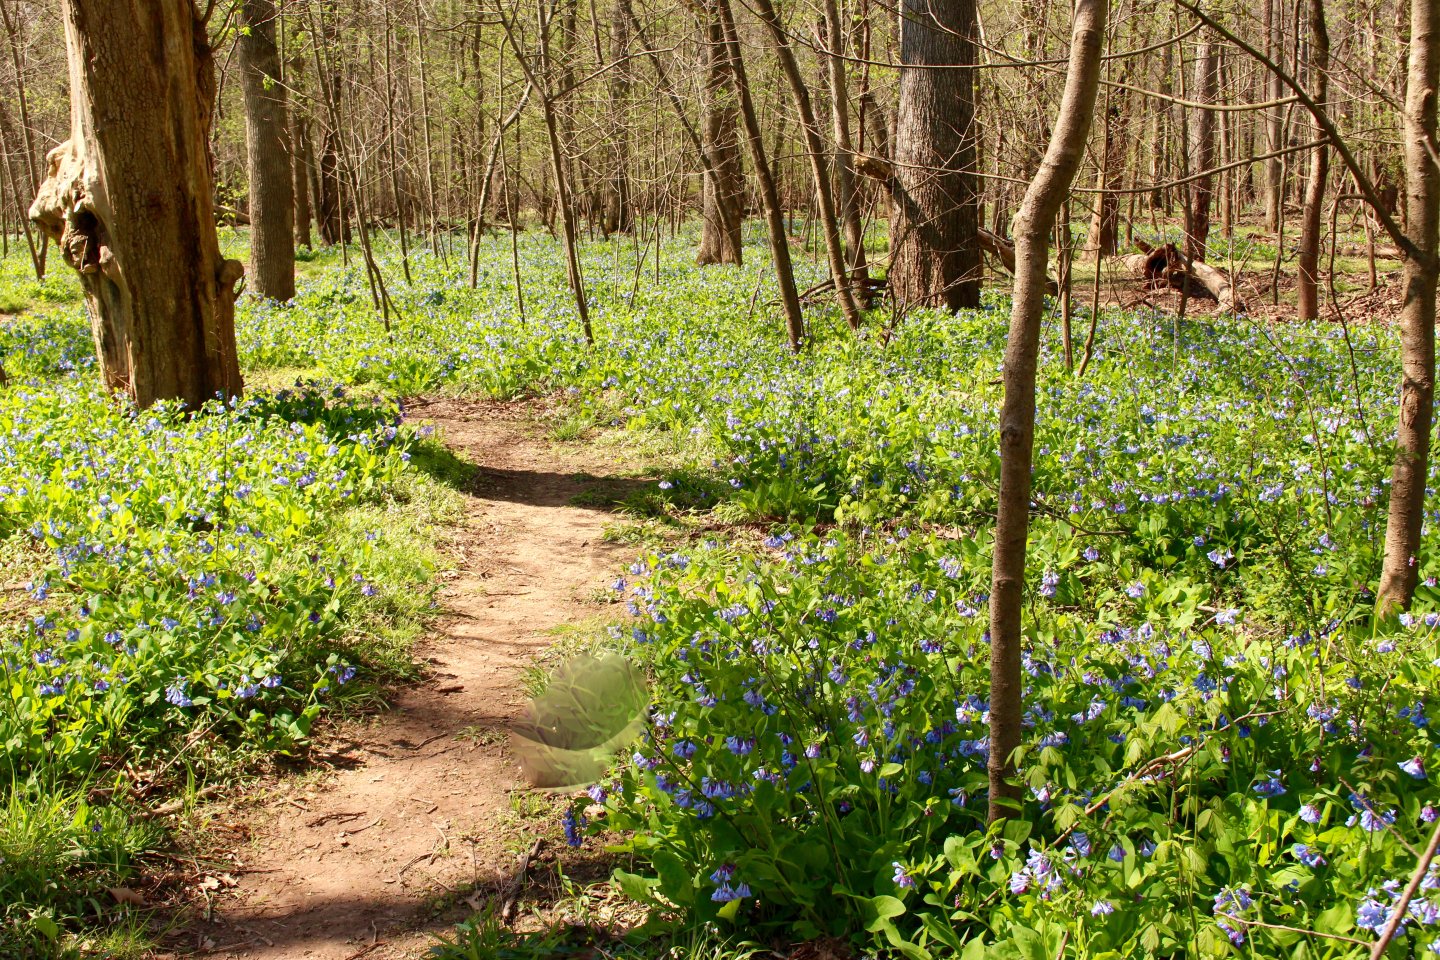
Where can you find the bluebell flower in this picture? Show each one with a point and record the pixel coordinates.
(572, 825)
(1415, 767)
(1371, 915)
(1271, 787)
(176, 693)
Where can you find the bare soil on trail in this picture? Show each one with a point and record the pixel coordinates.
(415, 827)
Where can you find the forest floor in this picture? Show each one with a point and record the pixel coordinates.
(422, 818)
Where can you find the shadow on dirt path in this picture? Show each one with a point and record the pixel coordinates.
(419, 808)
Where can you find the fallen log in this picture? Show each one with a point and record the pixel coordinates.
(1166, 267)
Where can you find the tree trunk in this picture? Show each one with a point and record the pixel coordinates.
(1308, 251)
(1017, 417)
(622, 209)
(1202, 152)
(1103, 237)
(769, 195)
(267, 152)
(329, 209)
(1274, 117)
(846, 193)
(302, 159)
(820, 177)
(129, 200)
(1417, 316)
(723, 187)
(935, 256)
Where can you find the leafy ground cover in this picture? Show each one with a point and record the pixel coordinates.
(186, 595)
(1224, 754)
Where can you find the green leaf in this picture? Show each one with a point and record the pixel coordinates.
(880, 911)
(636, 887)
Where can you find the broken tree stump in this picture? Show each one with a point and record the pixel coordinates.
(1164, 266)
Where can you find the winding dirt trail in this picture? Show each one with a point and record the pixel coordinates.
(419, 808)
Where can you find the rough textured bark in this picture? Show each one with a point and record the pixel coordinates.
(267, 152)
(723, 189)
(129, 200)
(1308, 251)
(1202, 152)
(1417, 317)
(935, 257)
(1017, 416)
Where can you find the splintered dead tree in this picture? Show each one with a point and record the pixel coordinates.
(1042, 202)
(129, 200)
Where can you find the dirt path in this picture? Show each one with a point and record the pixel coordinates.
(421, 810)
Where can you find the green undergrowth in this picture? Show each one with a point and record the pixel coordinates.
(1223, 754)
(193, 595)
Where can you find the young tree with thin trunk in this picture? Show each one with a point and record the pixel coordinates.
(1406, 519)
(267, 149)
(1043, 199)
(847, 195)
(1274, 191)
(935, 250)
(815, 150)
(129, 200)
(769, 194)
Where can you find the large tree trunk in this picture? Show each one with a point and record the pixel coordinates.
(1308, 285)
(267, 152)
(1017, 417)
(1202, 152)
(723, 188)
(1417, 317)
(129, 199)
(935, 257)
